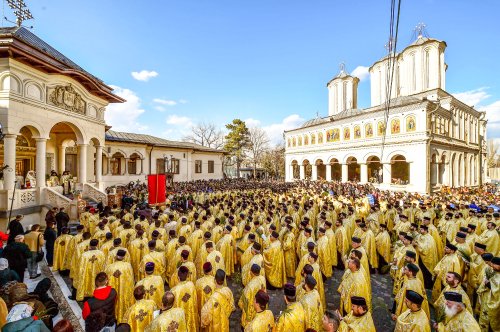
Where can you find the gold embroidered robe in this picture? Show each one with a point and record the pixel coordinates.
(248, 297)
(274, 265)
(173, 319)
(121, 278)
(154, 288)
(413, 321)
(216, 311)
(185, 298)
(140, 314)
(313, 309)
(293, 318)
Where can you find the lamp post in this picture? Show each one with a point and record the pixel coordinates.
(169, 178)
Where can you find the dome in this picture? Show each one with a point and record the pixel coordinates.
(313, 122)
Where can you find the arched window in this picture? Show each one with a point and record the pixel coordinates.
(116, 163)
(300, 141)
(289, 142)
(306, 140)
(133, 162)
(294, 141)
(400, 170)
(313, 139)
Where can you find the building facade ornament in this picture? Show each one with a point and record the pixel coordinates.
(67, 98)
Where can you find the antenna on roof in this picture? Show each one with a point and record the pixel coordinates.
(20, 10)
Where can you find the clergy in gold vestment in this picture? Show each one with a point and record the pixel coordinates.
(492, 305)
(476, 266)
(216, 311)
(353, 284)
(153, 256)
(91, 263)
(138, 248)
(410, 283)
(226, 247)
(121, 278)
(274, 262)
(245, 303)
(449, 263)
(170, 318)
(342, 242)
(289, 252)
(70, 250)
(311, 303)
(185, 298)
(77, 254)
(215, 258)
(60, 246)
(117, 245)
(3, 313)
(174, 279)
(264, 319)
(414, 319)
(458, 319)
(368, 242)
(491, 238)
(201, 255)
(332, 242)
(258, 259)
(324, 253)
(453, 284)
(383, 243)
(293, 317)
(427, 254)
(140, 314)
(205, 286)
(153, 285)
(359, 318)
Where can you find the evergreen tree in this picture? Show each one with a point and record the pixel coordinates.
(236, 141)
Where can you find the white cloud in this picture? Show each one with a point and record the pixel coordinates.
(165, 102)
(275, 130)
(472, 97)
(124, 116)
(252, 122)
(179, 126)
(144, 75)
(183, 101)
(361, 72)
(177, 120)
(493, 116)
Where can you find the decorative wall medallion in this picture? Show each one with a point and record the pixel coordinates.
(67, 98)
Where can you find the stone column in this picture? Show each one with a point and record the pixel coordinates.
(386, 173)
(98, 164)
(314, 173)
(41, 160)
(62, 159)
(9, 159)
(302, 172)
(364, 173)
(345, 172)
(328, 172)
(82, 163)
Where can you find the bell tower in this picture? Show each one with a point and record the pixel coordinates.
(342, 92)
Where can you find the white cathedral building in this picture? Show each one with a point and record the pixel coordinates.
(423, 139)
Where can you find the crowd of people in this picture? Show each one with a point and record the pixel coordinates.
(167, 268)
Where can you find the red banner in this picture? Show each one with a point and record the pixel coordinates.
(156, 188)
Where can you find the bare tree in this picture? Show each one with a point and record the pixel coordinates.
(492, 153)
(273, 161)
(206, 134)
(259, 143)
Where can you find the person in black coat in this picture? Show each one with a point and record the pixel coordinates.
(17, 253)
(15, 228)
(50, 236)
(62, 220)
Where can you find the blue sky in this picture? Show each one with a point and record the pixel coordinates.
(265, 61)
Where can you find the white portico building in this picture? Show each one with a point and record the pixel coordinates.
(423, 139)
(52, 118)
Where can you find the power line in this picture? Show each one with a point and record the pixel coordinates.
(391, 64)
